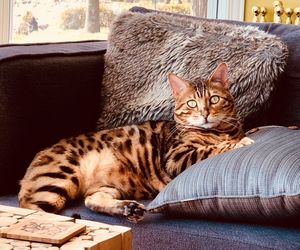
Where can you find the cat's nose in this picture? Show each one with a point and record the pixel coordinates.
(205, 114)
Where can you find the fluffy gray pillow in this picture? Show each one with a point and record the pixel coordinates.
(143, 48)
(257, 182)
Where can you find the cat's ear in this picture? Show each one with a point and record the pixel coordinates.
(220, 75)
(177, 84)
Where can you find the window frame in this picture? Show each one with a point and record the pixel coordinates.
(212, 9)
(5, 21)
(226, 9)
(231, 9)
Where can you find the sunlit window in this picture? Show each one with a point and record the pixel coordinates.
(69, 20)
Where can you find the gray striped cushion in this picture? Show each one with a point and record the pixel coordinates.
(260, 181)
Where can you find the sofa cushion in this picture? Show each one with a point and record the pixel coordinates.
(256, 183)
(167, 232)
(143, 48)
(47, 92)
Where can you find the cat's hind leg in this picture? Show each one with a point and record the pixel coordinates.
(48, 187)
(108, 200)
(47, 194)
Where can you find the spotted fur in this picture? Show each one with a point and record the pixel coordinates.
(111, 169)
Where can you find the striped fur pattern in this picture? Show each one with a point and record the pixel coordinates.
(111, 169)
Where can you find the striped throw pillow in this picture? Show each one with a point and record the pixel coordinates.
(257, 182)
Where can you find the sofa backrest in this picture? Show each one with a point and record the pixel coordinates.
(47, 92)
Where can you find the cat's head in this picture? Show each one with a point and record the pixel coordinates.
(204, 104)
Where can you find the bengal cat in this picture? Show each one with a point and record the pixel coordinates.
(112, 168)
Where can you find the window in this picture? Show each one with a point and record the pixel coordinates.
(30, 21)
(65, 20)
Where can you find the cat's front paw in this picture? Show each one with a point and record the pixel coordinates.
(243, 142)
(251, 131)
(134, 211)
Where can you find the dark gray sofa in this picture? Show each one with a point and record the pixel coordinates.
(51, 91)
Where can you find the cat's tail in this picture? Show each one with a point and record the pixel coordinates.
(50, 195)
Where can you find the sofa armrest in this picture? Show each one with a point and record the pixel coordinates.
(47, 92)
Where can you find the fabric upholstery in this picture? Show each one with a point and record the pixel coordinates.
(256, 182)
(167, 232)
(47, 92)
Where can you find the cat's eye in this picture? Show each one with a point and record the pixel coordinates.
(192, 103)
(214, 99)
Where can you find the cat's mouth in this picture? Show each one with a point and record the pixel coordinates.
(203, 123)
(207, 125)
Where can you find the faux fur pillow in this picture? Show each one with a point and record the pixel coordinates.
(143, 48)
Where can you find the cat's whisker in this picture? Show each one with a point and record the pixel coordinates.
(192, 127)
(182, 131)
(231, 121)
(172, 132)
